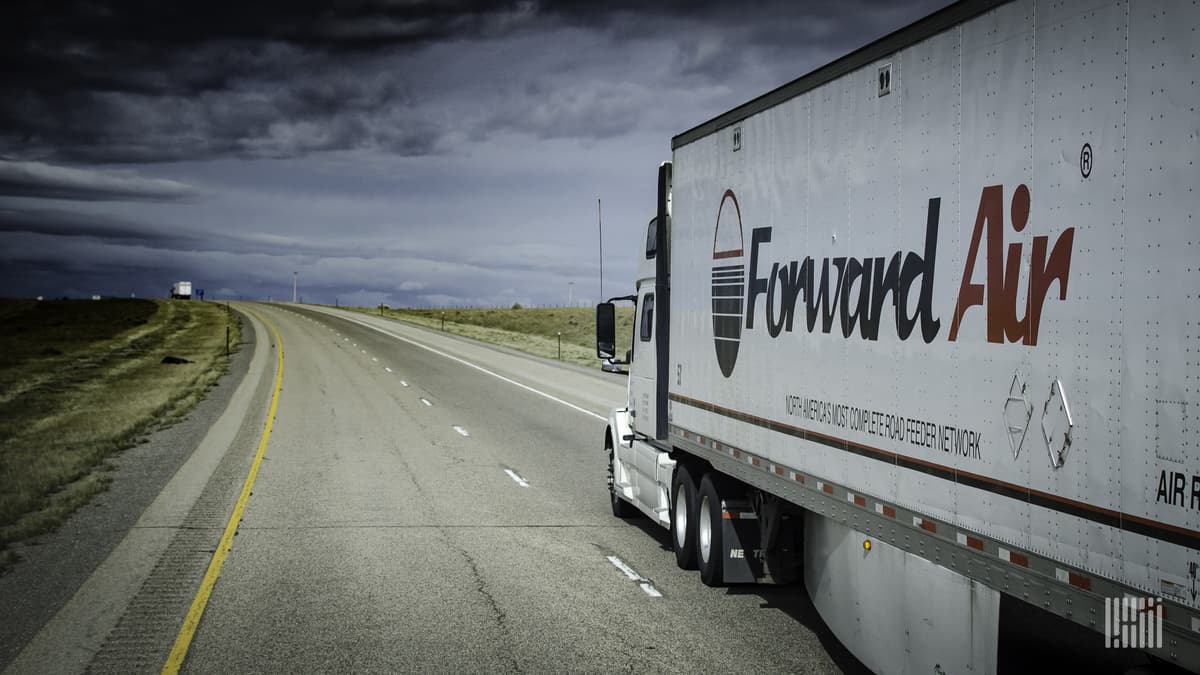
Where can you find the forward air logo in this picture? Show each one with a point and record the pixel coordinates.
(852, 295)
(728, 282)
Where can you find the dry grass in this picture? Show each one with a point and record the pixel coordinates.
(81, 380)
(533, 331)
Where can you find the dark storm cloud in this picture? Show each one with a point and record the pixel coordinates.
(60, 223)
(138, 82)
(35, 179)
(110, 231)
(98, 82)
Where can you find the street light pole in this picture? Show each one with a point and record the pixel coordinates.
(293, 287)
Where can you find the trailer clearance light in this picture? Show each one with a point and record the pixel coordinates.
(866, 544)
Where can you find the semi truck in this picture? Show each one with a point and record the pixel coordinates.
(921, 329)
(181, 290)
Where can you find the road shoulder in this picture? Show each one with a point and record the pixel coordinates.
(75, 584)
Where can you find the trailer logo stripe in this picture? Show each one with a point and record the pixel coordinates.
(1123, 521)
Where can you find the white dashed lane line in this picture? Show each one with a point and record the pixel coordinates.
(426, 402)
(387, 369)
(403, 383)
(517, 478)
(461, 431)
(641, 581)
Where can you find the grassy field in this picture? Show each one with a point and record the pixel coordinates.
(534, 331)
(81, 380)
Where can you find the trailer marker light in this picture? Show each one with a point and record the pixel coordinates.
(867, 545)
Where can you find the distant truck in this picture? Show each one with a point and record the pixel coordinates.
(922, 328)
(181, 290)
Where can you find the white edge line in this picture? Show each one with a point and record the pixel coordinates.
(480, 369)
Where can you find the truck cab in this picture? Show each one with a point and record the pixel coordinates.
(640, 464)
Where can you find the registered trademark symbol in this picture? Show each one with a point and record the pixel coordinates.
(1085, 160)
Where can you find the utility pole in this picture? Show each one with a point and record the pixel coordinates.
(600, 225)
(293, 287)
(570, 292)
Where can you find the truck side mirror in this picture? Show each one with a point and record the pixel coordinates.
(606, 330)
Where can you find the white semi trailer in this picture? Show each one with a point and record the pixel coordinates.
(922, 328)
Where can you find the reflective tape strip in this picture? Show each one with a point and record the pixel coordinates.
(738, 515)
(1014, 558)
(927, 525)
(1076, 580)
(969, 541)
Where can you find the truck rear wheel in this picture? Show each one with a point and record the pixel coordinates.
(683, 517)
(710, 548)
(620, 507)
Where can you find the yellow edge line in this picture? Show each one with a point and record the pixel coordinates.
(188, 630)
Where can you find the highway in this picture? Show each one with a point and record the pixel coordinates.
(422, 503)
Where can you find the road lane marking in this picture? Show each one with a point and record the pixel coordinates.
(517, 478)
(426, 402)
(403, 383)
(375, 359)
(461, 431)
(481, 369)
(387, 369)
(647, 587)
(190, 622)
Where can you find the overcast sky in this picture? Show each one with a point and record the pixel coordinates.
(401, 151)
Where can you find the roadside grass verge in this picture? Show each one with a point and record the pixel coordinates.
(530, 330)
(81, 380)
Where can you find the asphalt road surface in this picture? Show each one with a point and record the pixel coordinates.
(423, 503)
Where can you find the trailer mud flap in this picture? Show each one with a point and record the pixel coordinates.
(740, 538)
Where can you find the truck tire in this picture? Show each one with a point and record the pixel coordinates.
(683, 517)
(620, 507)
(710, 549)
